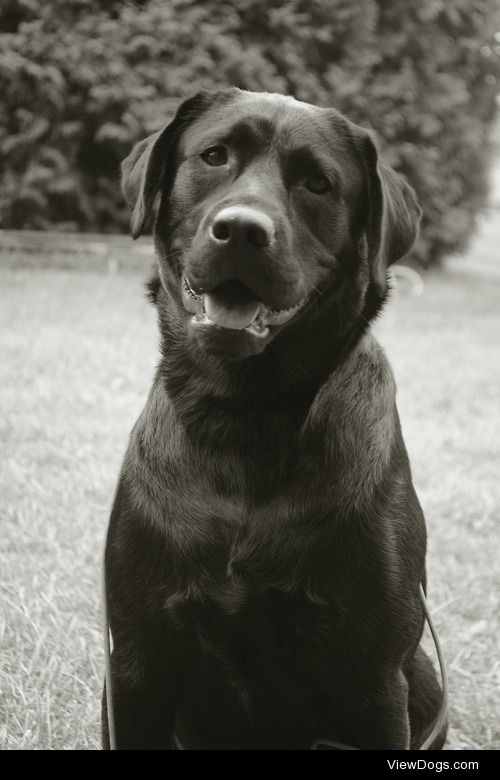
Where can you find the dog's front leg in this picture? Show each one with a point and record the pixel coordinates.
(143, 703)
(149, 651)
(142, 719)
(380, 720)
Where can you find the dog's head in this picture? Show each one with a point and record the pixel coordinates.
(271, 209)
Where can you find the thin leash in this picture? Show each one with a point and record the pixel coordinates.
(317, 744)
(110, 710)
(442, 713)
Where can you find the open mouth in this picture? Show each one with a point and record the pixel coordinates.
(233, 305)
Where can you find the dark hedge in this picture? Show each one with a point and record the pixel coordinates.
(81, 80)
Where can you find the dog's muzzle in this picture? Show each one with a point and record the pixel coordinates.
(231, 305)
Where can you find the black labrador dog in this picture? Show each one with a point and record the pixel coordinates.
(266, 544)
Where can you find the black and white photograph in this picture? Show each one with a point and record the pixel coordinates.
(250, 377)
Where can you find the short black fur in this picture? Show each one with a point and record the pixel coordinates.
(266, 545)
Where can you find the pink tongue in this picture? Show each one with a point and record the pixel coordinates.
(236, 315)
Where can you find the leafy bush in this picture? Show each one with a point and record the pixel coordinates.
(81, 80)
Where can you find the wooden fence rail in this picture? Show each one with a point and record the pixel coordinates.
(76, 251)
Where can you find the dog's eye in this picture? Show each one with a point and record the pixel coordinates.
(215, 155)
(317, 183)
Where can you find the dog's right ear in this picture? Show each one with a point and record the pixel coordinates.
(143, 171)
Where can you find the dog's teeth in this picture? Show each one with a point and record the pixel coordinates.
(257, 324)
(258, 328)
(190, 290)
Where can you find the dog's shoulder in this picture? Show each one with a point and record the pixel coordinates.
(360, 390)
(356, 418)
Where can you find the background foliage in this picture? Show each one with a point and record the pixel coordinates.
(82, 80)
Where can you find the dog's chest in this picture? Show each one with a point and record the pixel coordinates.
(247, 522)
(247, 624)
(257, 588)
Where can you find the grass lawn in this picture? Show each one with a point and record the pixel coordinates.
(78, 353)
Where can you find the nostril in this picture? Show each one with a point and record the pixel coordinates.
(242, 226)
(257, 236)
(220, 230)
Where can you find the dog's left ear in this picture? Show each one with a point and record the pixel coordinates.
(144, 170)
(393, 218)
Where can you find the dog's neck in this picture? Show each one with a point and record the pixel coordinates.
(287, 375)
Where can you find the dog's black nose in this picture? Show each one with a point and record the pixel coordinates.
(242, 225)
